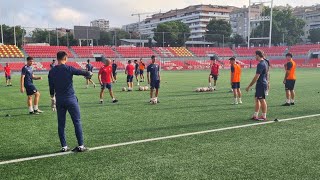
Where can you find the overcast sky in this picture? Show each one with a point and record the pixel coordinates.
(66, 13)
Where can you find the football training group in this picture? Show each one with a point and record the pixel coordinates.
(63, 97)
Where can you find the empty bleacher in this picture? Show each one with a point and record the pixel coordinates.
(163, 52)
(180, 52)
(205, 51)
(10, 51)
(272, 51)
(135, 52)
(45, 51)
(88, 51)
(303, 49)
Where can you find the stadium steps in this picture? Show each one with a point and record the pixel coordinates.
(117, 53)
(75, 55)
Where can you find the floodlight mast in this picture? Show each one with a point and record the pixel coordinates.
(260, 19)
(139, 16)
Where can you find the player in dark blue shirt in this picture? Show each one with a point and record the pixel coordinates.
(114, 70)
(89, 68)
(53, 64)
(153, 75)
(26, 84)
(261, 87)
(61, 87)
(136, 71)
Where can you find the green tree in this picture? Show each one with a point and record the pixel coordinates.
(105, 38)
(314, 35)
(237, 39)
(218, 31)
(285, 26)
(174, 33)
(8, 34)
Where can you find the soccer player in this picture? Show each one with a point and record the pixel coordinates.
(214, 73)
(53, 64)
(153, 76)
(136, 70)
(89, 68)
(105, 77)
(142, 66)
(260, 79)
(235, 80)
(114, 70)
(61, 87)
(129, 72)
(26, 84)
(7, 74)
(290, 80)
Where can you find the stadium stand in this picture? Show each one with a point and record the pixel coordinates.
(272, 51)
(204, 51)
(134, 52)
(87, 52)
(16, 66)
(304, 49)
(180, 52)
(10, 51)
(45, 51)
(163, 52)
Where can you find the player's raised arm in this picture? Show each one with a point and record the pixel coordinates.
(80, 72)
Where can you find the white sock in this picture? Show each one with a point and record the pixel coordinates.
(82, 146)
(210, 84)
(235, 100)
(292, 100)
(35, 107)
(113, 99)
(214, 87)
(264, 115)
(288, 101)
(65, 147)
(256, 114)
(101, 100)
(239, 99)
(30, 109)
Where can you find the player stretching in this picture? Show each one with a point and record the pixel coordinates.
(7, 74)
(235, 80)
(290, 80)
(105, 77)
(214, 73)
(61, 86)
(129, 72)
(136, 70)
(89, 68)
(153, 76)
(26, 84)
(114, 70)
(261, 87)
(142, 66)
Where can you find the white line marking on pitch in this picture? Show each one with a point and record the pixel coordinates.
(155, 139)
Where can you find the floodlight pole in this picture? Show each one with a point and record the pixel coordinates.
(1, 34)
(271, 18)
(249, 23)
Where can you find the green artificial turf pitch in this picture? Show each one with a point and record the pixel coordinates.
(284, 150)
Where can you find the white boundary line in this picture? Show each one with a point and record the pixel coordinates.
(155, 139)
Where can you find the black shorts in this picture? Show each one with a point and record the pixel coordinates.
(114, 73)
(214, 77)
(106, 85)
(155, 84)
(129, 78)
(141, 72)
(8, 77)
(290, 84)
(261, 91)
(31, 90)
(235, 85)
